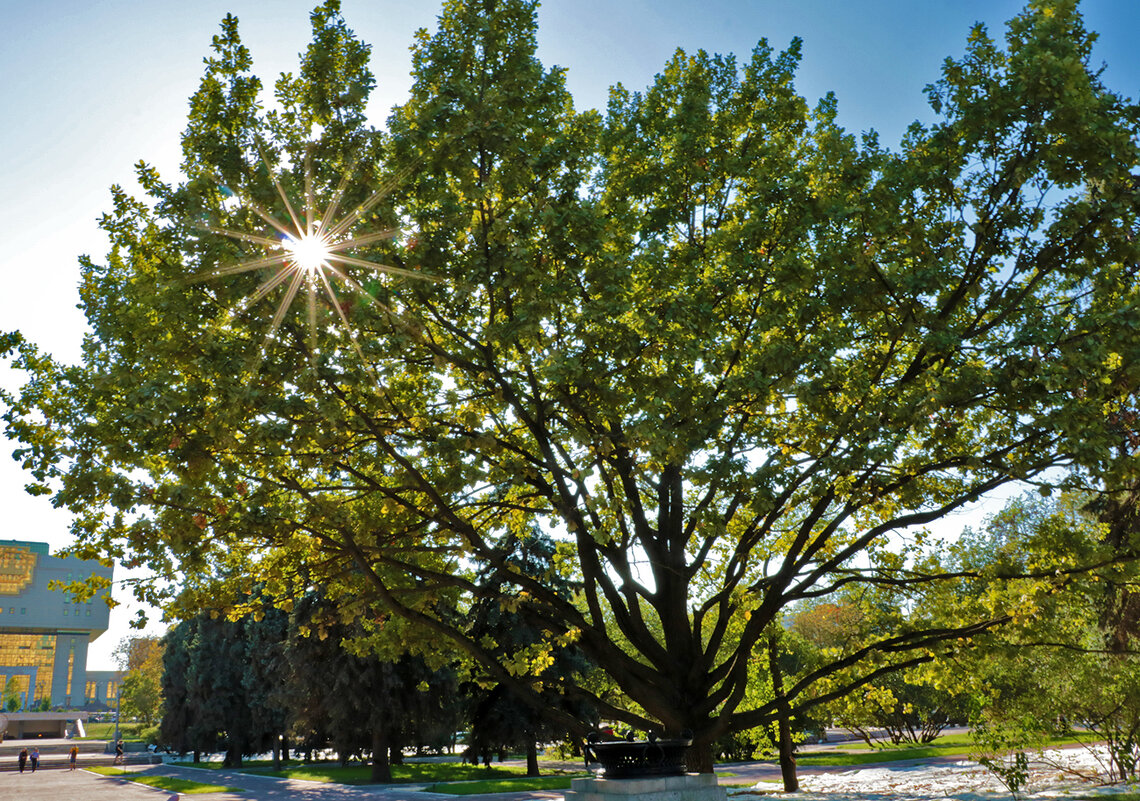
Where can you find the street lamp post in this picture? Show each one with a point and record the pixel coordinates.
(118, 703)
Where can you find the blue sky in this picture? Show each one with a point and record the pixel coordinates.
(89, 87)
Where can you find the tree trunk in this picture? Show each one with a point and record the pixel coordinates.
(699, 758)
(784, 737)
(788, 757)
(531, 757)
(381, 768)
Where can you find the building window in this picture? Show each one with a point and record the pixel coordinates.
(30, 651)
(70, 668)
(17, 568)
(20, 685)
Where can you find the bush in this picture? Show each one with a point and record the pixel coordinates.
(150, 735)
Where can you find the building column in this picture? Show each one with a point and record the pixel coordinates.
(70, 658)
(79, 673)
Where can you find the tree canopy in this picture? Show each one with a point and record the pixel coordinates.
(729, 356)
(140, 695)
(217, 685)
(356, 701)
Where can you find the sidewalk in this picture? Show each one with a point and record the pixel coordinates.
(81, 785)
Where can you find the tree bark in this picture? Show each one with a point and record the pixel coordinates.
(699, 758)
(531, 757)
(784, 724)
(381, 767)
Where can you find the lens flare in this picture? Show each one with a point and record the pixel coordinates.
(312, 253)
(309, 253)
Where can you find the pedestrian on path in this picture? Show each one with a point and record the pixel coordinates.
(73, 755)
(118, 753)
(35, 758)
(23, 758)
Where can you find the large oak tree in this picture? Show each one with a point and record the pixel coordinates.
(725, 352)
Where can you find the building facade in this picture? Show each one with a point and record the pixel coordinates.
(44, 634)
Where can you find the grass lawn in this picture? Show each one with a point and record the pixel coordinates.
(945, 740)
(501, 785)
(878, 755)
(181, 786)
(860, 754)
(411, 773)
(106, 731)
(415, 773)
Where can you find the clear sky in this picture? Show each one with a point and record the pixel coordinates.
(89, 87)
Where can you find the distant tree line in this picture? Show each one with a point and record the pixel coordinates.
(309, 679)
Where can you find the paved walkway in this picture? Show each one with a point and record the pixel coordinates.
(66, 785)
(81, 785)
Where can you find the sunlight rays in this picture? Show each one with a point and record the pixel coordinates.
(310, 255)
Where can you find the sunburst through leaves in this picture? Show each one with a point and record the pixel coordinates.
(311, 253)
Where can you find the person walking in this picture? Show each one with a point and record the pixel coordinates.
(118, 753)
(23, 758)
(35, 758)
(73, 755)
